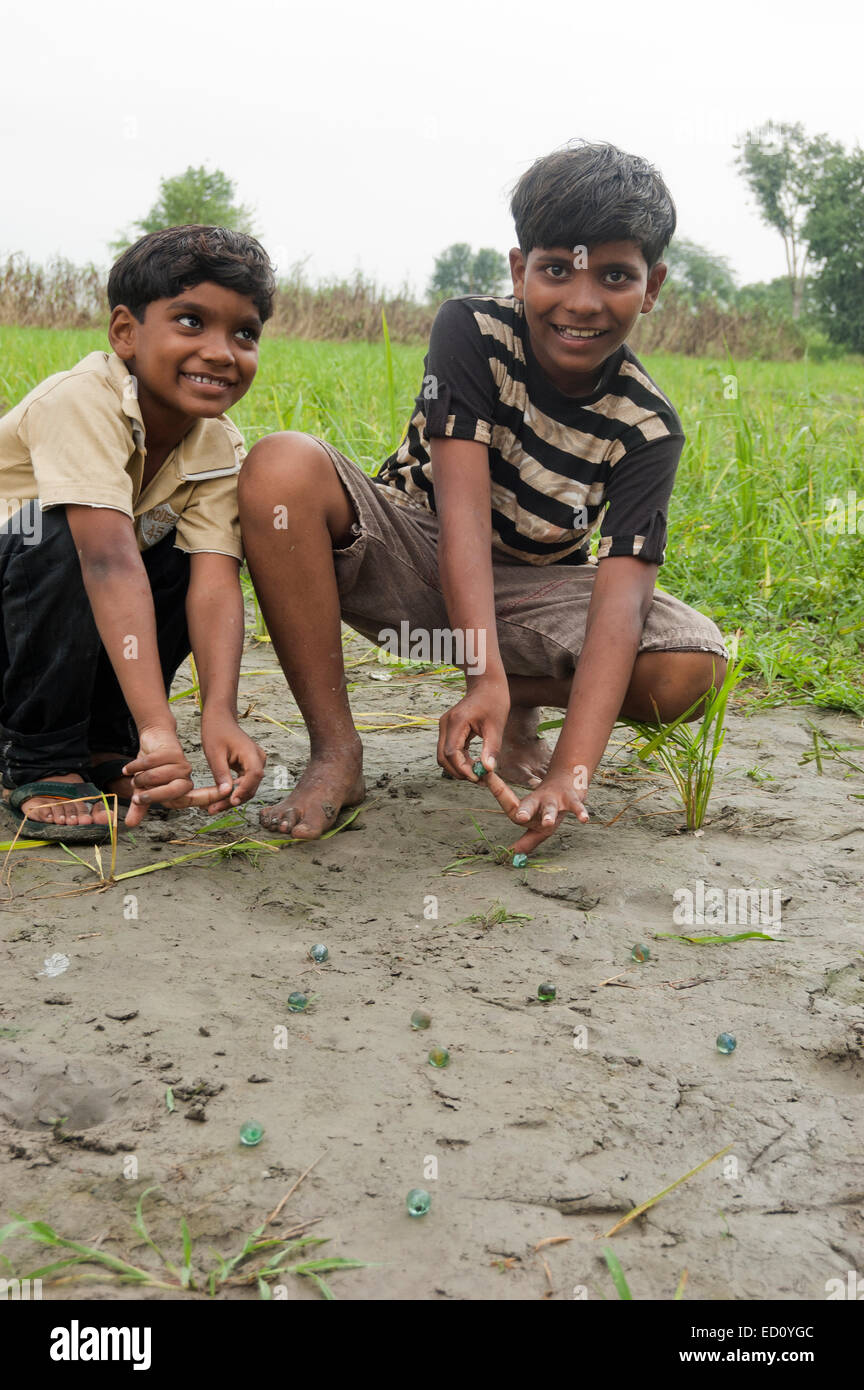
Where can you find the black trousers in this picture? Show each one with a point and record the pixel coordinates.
(60, 700)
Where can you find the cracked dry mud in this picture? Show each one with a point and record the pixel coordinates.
(534, 1137)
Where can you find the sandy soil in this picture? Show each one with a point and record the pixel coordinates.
(538, 1130)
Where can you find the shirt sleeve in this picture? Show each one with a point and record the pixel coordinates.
(638, 492)
(459, 391)
(79, 446)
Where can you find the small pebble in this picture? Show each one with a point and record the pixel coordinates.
(640, 953)
(439, 1057)
(546, 993)
(418, 1201)
(251, 1133)
(319, 954)
(420, 1019)
(726, 1042)
(297, 1003)
(519, 861)
(479, 771)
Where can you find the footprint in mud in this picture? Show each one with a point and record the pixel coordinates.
(36, 1092)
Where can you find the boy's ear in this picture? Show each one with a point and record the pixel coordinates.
(652, 288)
(517, 271)
(122, 332)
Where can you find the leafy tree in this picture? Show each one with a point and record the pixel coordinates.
(696, 272)
(776, 296)
(459, 270)
(835, 228)
(783, 166)
(195, 196)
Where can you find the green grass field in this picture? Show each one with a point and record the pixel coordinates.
(748, 540)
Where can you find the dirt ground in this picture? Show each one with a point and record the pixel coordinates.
(552, 1120)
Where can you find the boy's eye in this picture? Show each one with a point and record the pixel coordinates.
(557, 271)
(623, 274)
(249, 335)
(192, 320)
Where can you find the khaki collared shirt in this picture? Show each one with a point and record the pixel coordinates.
(78, 438)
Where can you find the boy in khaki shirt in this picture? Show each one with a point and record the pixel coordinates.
(121, 545)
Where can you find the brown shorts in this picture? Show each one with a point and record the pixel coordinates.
(388, 576)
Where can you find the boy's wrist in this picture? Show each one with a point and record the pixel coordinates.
(572, 764)
(157, 723)
(494, 676)
(220, 707)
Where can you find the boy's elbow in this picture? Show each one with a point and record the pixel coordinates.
(101, 565)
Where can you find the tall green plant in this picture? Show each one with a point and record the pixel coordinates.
(689, 753)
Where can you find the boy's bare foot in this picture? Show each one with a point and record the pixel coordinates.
(524, 757)
(48, 811)
(331, 780)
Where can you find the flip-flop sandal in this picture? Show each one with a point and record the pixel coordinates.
(109, 771)
(45, 830)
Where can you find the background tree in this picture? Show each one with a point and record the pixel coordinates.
(195, 196)
(783, 167)
(459, 270)
(835, 228)
(695, 272)
(776, 296)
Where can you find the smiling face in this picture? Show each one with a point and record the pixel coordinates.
(577, 316)
(194, 356)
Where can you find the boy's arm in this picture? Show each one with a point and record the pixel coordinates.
(214, 612)
(117, 587)
(463, 501)
(623, 590)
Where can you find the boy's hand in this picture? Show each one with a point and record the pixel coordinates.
(159, 773)
(541, 812)
(482, 713)
(226, 747)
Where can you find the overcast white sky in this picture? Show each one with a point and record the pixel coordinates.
(372, 135)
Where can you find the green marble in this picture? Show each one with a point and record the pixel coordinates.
(418, 1201)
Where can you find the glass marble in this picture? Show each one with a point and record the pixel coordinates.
(251, 1133)
(439, 1057)
(420, 1019)
(546, 993)
(418, 1201)
(519, 861)
(297, 1002)
(726, 1042)
(640, 953)
(478, 769)
(319, 954)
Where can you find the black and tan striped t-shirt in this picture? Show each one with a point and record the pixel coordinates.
(561, 466)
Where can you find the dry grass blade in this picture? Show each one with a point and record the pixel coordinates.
(551, 1240)
(290, 1193)
(644, 1206)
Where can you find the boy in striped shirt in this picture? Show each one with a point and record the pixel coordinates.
(535, 428)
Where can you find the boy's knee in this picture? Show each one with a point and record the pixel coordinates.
(288, 457)
(705, 670)
(674, 681)
(278, 468)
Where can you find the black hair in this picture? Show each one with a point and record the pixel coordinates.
(590, 193)
(163, 264)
